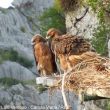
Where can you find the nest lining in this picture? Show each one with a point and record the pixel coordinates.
(93, 73)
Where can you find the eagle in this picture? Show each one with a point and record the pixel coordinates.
(67, 47)
(43, 55)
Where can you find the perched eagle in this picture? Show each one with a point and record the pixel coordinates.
(43, 56)
(67, 47)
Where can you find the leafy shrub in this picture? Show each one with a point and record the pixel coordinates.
(93, 3)
(100, 38)
(52, 17)
(99, 4)
(100, 41)
(13, 56)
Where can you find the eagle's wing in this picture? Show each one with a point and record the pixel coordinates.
(36, 59)
(68, 44)
(45, 58)
(35, 56)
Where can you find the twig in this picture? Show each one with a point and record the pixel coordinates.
(63, 93)
(79, 19)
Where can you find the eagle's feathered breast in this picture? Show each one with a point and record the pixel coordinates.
(44, 56)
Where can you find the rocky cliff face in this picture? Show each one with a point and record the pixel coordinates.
(27, 97)
(82, 21)
(17, 26)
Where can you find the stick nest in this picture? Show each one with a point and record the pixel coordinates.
(92, 72)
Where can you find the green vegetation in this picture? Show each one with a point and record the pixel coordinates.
(108, 105)
(3, 10)
(41, 88)
(23, 29)
(13, 56)
(7, 82)
(30, 82)
(30, 18)
(1, 60)
(100, 38)
(52, 17)
(99, 4)
(93, 3)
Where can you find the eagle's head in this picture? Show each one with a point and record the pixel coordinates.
(36, 39)
(52, 32)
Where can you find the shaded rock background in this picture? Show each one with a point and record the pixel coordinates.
(17, 26)
(16, 71)
(28, 97)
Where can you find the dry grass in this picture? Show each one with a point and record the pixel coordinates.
(88, 77)
(92, 73)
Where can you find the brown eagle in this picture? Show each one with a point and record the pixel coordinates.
(43, 56)
(67, 47)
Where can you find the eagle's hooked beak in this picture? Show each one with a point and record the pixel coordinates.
(32, 42)
(48, 37)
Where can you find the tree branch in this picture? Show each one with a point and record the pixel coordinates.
(79, 19)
